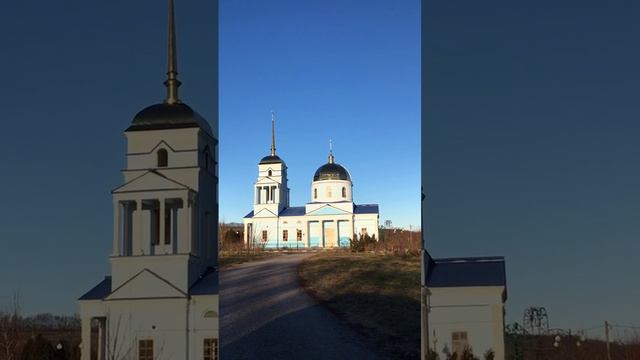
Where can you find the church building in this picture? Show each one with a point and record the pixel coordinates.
(161, 299)
(329, 220)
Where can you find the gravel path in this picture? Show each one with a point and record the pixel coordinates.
(266, 315)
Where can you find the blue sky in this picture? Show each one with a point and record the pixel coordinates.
(346, 71)
(532, 150)
(532, 124)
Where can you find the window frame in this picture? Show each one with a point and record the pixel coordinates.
(210, 344)
(162, 159)
(146, 346)
(459, 341)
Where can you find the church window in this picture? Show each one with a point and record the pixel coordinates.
(264, 235)
(315, 193)
(285, 235)
(299, 235)
(270, 172)
(459, 342)
(163, 158)
(344, 192)
(210, 350)
(145, 350)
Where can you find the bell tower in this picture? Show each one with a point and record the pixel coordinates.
(271, 192)
(165, 213)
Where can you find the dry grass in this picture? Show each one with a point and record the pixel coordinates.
(230, 258)
(377, 294)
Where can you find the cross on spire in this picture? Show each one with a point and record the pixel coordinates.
(172, 83)
(330, 151)
(273, 136)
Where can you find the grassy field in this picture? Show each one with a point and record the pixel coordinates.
(228, 259)
(377, 294)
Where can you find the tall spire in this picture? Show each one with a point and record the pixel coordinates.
(273, 134)
(330, 151)
(172, 83)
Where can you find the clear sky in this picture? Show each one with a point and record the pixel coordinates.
(532, 128)
(342, 70)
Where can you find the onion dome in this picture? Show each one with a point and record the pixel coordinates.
(271, 159)
(168, 116)
(331, 170)
(172, 113)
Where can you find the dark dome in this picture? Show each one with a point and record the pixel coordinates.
(271, 159)
(168, 116)
(331, 171)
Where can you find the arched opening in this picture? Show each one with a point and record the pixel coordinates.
(270, 172)
(163, 158)
(210, 314)
(344, 192)
(315, 193)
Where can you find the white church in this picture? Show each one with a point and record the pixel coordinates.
(161, 300)
(329, 220)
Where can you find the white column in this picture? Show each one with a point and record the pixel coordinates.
(256, 195)
(188, 228)
(245, 235)
(117, 233)
(101, 339)
(136, 244)
(352, 229)
(85, 351)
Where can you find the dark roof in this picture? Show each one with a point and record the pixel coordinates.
(249, 215)
(474, 271)
(207, 284)
(271, 159)
(331, 171)
(168, 116)
(365, 209)
(100, 291)
(293, 211)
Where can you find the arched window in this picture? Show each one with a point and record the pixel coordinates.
(315, 193)
(344, 192)
(162, 158)
(270, 172)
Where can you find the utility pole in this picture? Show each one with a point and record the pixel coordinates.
(606, 335)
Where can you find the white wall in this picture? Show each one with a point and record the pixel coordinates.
(335, 187)
(476, 310)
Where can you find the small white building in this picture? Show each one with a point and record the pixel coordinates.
(465, 305)
(331, 219)
(161, 300)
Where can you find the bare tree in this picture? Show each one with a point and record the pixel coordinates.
(10, 328)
